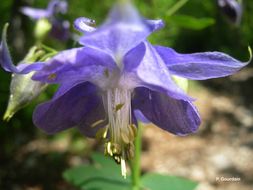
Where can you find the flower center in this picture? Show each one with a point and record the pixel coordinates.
(121, 132)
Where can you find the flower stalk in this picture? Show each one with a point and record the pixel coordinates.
(136, 162)
(176, 7)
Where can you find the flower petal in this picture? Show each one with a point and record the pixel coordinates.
(6, 62)
(78, 64)
(70, 107)
(35, 13)
(155, 24)
(57, 6)
(5, 58)
(140, 117)
(123, 30)
(84, 25)
(199, 66)
(232, 9)
(150, 71)
(60, 29)
(176, 116)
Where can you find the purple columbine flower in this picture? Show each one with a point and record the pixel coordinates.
(119, 77)
(232, 9)
(54, 7)
(60, 28)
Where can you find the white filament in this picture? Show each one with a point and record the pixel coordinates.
(118, 105)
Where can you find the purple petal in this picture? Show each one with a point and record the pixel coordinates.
(57, 6)
(27, 68)
(5, 57)
(140, 117)
(78, 64)
(84, 25)
(78, 106)
(151, 72)
(232, 9)
(60, 29)
(155, 24)
(35, 13)
(199, 66)
(176, 116)
(6, 62)
(123, 30)
(134, 57)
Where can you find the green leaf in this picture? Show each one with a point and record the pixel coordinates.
(190, 22)
(159, 182)
(103, 174)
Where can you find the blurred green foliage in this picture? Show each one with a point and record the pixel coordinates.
(197, 26)
(104, 174)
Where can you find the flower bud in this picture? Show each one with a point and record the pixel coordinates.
(23, 89)
(42, 28)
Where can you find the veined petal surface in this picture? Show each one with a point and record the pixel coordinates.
(176, 116)
(199, 66)
(123, 30)
(78, 64)
(151, 72)
(72, 106)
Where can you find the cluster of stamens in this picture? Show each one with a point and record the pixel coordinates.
(120, 133)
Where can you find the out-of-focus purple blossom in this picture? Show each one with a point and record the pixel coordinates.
(119, 73)
(54, 7)
(60, 28)
(232, 9)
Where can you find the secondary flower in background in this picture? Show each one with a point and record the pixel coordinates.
(22, 89)
(232, 9)
(54, 8)
(119, 73)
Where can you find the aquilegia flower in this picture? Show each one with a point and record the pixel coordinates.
(60, 28)
(232, 9)
(119, 77)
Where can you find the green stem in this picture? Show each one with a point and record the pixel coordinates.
(176, 7)
(136, 163)
(48, 48)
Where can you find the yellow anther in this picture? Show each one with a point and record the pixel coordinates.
(133, 129)
(130, 151)
(101, 133)
(117, 159)
(109, 150)
(106, 73)
(119, 107)
(125, 137)
(51, 76)
(116, 149)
